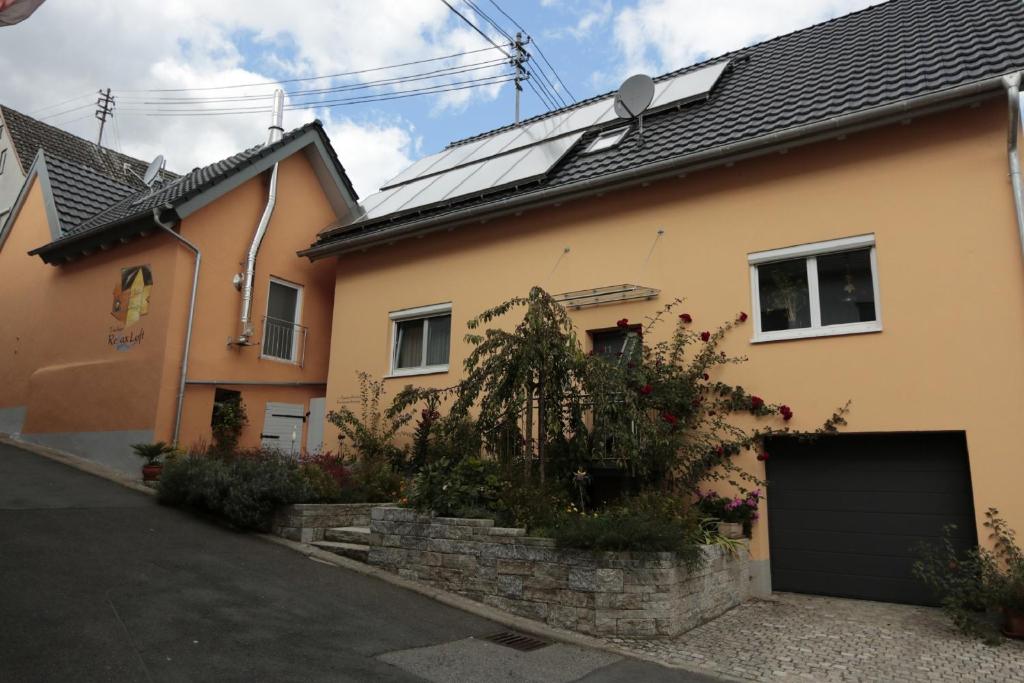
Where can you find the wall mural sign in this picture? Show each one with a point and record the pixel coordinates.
(131, 302)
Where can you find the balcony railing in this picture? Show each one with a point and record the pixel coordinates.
(284, 340)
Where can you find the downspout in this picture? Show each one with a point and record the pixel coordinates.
(169, 229)
(245, 336)
(1012, 83)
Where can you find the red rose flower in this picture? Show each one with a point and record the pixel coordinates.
(646, 389)
(623, 322)
(786, 412)
(706, 376)
(756, 402)
(762, 456)
(742, 317)
(705, 335)
(669, 418)
(686, 317)
(720, 451)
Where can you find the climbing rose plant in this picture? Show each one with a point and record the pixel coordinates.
(656, 410)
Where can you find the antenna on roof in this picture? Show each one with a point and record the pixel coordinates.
(152, 173)
(633, 98)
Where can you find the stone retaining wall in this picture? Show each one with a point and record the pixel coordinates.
(306, 522)
(599, 593)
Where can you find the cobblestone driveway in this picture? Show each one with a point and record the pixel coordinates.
(809, 638)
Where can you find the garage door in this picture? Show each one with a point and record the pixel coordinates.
(845, 512)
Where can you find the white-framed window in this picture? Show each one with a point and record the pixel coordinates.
(283, 335)
(815, 290)
(607, 140)
(421, 339)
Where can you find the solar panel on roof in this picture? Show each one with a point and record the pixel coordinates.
(520, 154)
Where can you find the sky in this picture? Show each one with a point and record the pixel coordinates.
(150, 52)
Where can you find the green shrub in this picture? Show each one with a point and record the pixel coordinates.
(372, 480)
(244, 489)
(153, 453)
(971, 582)
(649, 523)
(458, 488)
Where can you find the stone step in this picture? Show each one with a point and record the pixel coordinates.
(353, 551)
(348, 534)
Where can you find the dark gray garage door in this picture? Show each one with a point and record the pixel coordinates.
(844, 512)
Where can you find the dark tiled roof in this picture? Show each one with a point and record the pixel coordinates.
(30, 135)
(119, 209)
(79, 193)
(881, 55)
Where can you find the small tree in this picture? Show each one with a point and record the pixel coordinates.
(371, 433)
(229, 418)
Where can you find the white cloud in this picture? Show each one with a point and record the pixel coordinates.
(76, 47)
(656, 36)
(591, 20)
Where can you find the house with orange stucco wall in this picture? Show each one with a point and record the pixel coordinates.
(134, 310)
(853, 187)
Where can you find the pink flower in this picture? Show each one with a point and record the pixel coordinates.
(762, 456)
(705, 335)
(686, 318)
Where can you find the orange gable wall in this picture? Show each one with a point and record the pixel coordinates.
(935, 194)
(57, 363)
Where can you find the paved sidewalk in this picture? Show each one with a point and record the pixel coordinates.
(809, 638)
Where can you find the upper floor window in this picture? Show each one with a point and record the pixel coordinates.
(421, 339)
(3, 159)
(812, 290)
(614, 343)
(283, 336)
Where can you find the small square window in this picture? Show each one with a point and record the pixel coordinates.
(607, 140)
(421, 340)
(814, 290)
(613, 344)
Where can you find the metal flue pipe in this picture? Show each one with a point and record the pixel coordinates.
(1012, 83)
(276, 130)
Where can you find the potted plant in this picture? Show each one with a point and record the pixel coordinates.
(1004, 573)
(153, 455)
(735, 515)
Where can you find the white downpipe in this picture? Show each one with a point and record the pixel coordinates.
(169, 229)
(1012, 82)
(261, 229)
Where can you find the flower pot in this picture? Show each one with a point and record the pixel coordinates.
(730, 529)
(1013, 623)
(152, 472)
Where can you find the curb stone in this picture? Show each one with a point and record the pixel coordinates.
(444, 597)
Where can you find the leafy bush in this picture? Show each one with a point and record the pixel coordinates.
(970, 582)
(244, 489)
(229, 418)
(458, 488)
(650, 522)
(372, 480)
(736, 509)
(371, 433)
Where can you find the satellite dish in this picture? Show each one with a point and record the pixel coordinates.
(153, 170)
(634, 96)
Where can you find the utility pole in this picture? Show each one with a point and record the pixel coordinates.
(105, 102)
(519, 58)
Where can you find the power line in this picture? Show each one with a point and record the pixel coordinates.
(539, 51)
(476, 83)
(447, 71)
(88, 104)
(61, 104)
(317, 78)
(492, 22)
(460, 15)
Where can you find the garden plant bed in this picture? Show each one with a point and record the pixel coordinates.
(626, 594)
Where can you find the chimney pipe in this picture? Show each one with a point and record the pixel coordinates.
(276, 130)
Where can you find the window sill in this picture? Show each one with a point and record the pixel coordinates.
(414, 372)
(279, 360)
(811, 333)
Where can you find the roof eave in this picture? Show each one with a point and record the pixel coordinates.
(796, 136)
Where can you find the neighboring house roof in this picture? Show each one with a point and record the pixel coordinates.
(30, 135)
(119, 215)
(899, 52)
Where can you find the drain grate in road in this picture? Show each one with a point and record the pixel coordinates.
(517, 641)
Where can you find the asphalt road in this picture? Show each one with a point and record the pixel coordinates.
(99, 583)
